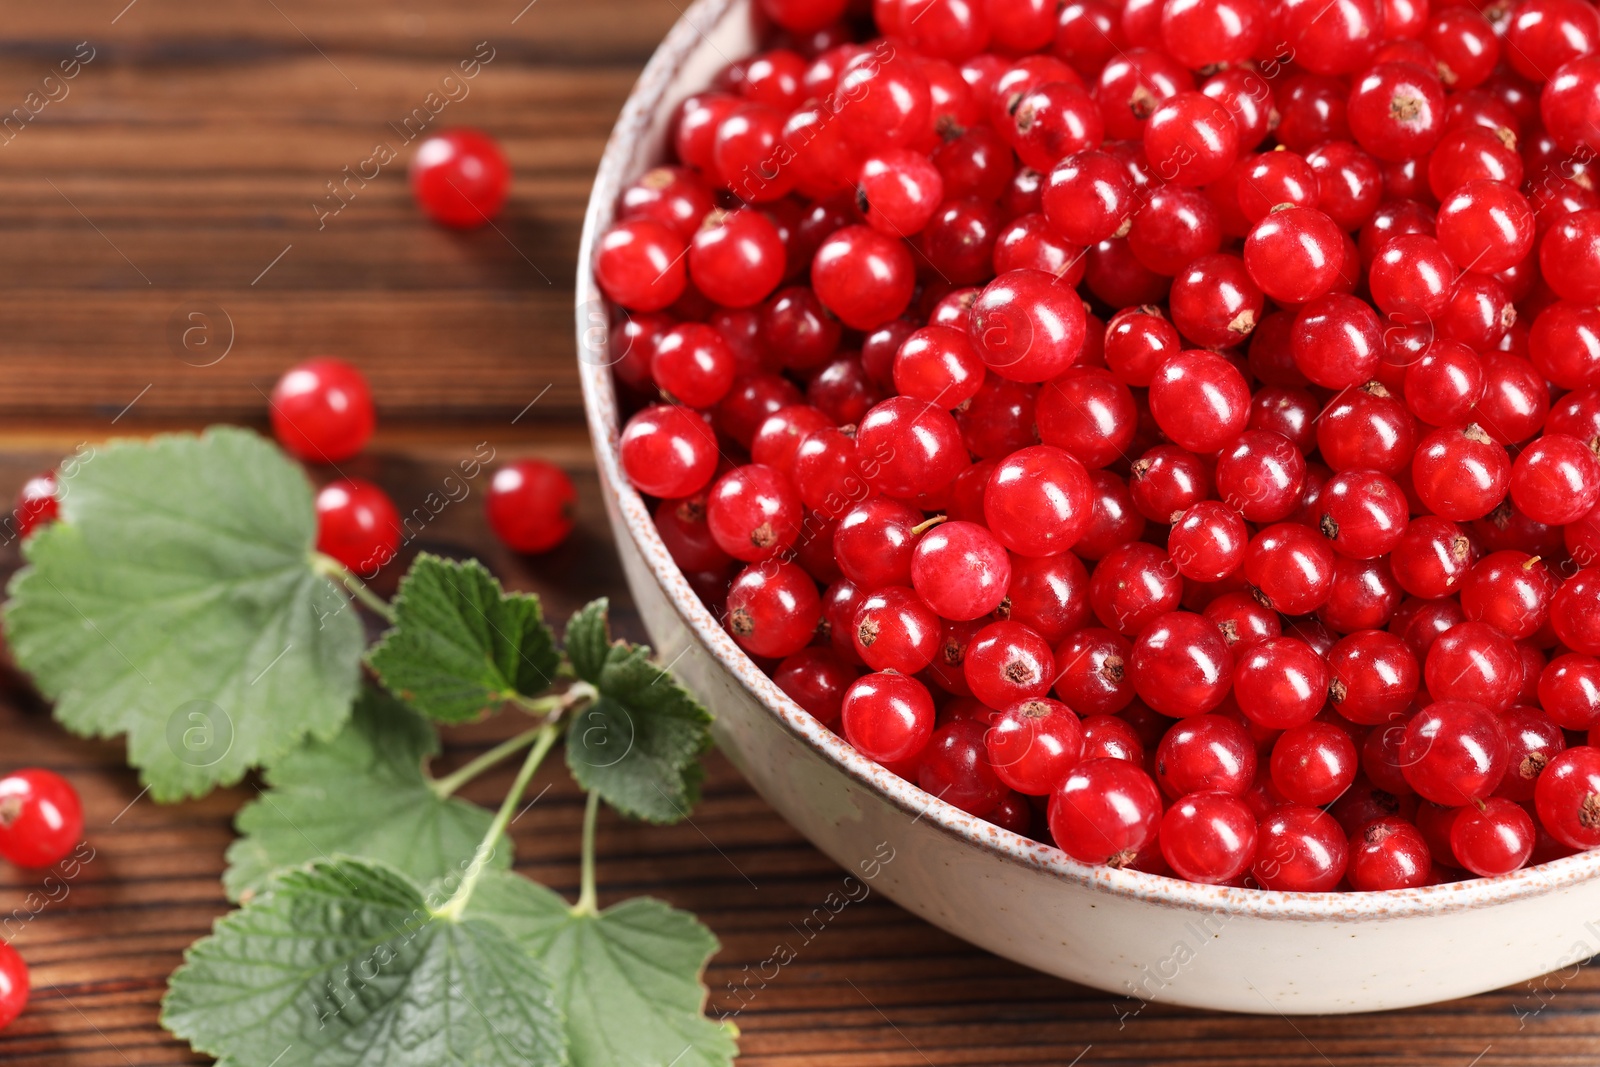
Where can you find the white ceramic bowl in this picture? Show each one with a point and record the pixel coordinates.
(1138, 935)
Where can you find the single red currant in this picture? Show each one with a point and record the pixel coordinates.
(358, 525)
(1033, 744)
(322, 410)
(460, 178)
(887, 716)
(531, 505)
(41, 819)
(1105, 811)
(773, 609)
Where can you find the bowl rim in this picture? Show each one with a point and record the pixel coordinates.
(594, 313)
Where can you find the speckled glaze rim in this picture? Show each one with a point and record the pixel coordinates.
(616, 168)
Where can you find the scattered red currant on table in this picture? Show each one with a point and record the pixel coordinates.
(460, 178)
(530, 505)
(322, 411)
(1061, 427)
(41, 818)
(37, 504)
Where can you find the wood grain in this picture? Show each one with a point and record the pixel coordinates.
(183, 160)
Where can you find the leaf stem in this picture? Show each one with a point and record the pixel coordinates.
(446, 786)
(551, 708)
(557, 704)
(329, 567)
(588, 899)
(457, 903)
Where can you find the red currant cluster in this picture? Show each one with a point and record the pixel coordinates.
(41, 823)
(1166, 428)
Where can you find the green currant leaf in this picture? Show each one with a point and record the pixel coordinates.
(628, 978)
(176, 602)
(341, 964)
(363, 794)
(588, 639)
(461, 643)
(639, 744)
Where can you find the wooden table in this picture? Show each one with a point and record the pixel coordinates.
(164, 261)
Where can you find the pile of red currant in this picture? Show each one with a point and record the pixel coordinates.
(1164, 428)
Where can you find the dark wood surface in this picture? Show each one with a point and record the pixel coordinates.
(183, 160)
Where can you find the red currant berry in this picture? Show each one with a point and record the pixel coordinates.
(960, 570)
(1006, 663)
(358, 525)
(1207, 541)
(1493, 840)
(1300, 849)
(863, 277)
(1105, 811)
(1337, 341)
(937, 364)
(531, 505)
(1206, 753)
(1569, 691)
(1138, 340)
(737, 258)
(640, 265)
(1510, 591)
(1555, 480)
(1533, 740)
(668, 452)
(888, 717)
(37, 503)
(1389, 853)
(1373, 677)
(894, 630)
(1569, 257)
(1575, 611)
(1291, 568)
(460, 178)
(1190, 140)
(773, 609)
(1033, 744)
(1214, 302)
(41, 819)
(1027, 325)
(1261, 475)
(955, 768)
(1568, 797)
(1397, 111)
(1444, 384)
(1089, 414)
(754, 513)
(1133, 585)
(1294, 254)
(1200, 401)
(1453, 752)
(693, 364)
(908, 447)
(1244, 622)
(1180, 664)
(1208, 837)
(1313, 763)
(816, 679)
(322, 411)
(1280, 683)
(1364, 513)
(13, 985)
(1038, 501)
(1462, 473)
